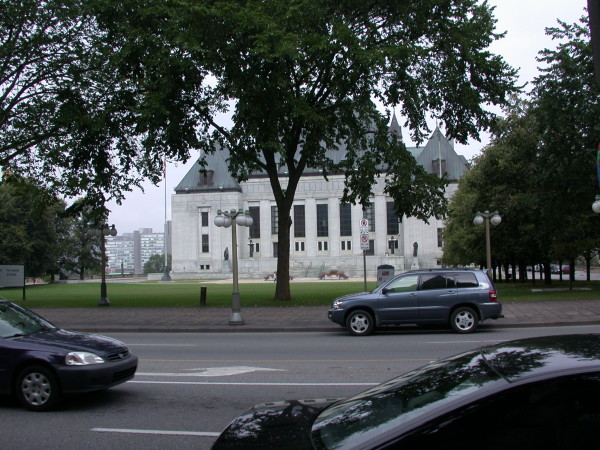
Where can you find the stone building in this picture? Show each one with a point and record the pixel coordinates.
(325, 234)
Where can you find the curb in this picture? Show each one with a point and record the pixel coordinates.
(283, 329)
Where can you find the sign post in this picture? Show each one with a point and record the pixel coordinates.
(364, 245)
(12, 276)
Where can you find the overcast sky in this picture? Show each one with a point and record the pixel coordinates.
(523, 20)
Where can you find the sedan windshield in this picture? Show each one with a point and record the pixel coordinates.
(376, 411)
(16, 321)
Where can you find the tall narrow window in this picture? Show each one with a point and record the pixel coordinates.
(274, 220)
(204, 215)
(205, 248)
(437, 170)
(393, 226)
(369, 214)
(322, 220)
(345, 220)
(299, 221)
(440, 237)
(255, 227)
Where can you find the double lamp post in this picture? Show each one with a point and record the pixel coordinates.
(488, 217)
(228, 219)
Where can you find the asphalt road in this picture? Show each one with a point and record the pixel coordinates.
(189, 386)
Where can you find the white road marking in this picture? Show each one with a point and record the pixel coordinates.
(217, 383)
(162, 345)
(165, 432)
(464, 342)
(210, 372)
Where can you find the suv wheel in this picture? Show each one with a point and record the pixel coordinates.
(464, 320)
(359, 323)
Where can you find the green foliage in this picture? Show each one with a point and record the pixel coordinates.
(30, 223)
(302, 78)
(38, 232)
(567, 106)
(80, 251)
(73, 121)
(100, 91)
(539, 171)
(156, 264)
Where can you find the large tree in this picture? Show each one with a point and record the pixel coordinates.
(73, 122)
(540, 169)
(567, 106)
(303, 76)
(30, 219)
(505, 177)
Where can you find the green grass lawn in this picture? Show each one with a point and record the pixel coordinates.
(187, 293)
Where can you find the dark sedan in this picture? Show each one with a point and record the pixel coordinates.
(539, 393)
(40, 362)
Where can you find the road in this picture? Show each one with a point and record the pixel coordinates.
(189, 386)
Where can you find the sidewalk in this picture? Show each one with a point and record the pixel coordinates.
(289, 318)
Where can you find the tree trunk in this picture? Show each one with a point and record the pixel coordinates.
(282, 288)
(547, 273)
(588, 261)
(522, 272)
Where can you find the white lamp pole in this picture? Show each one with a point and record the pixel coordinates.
(488, 217)
(227, 219)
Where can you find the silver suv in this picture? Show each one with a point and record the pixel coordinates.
(460, 298)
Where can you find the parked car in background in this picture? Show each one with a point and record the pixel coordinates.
(538, 393)
(460, 298)
(555, 268)
(40, 362)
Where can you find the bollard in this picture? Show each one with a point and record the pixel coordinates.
(202, 295)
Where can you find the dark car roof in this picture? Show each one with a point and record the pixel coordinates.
(540, 356)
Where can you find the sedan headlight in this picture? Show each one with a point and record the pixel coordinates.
(337, 304)
(82, 359)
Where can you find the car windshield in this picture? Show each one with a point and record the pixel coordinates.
(17, 321)
(358, 419)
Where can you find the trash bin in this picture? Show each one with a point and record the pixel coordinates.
(385, 273)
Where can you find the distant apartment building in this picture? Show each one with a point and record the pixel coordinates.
(127, 253)
(120, 254)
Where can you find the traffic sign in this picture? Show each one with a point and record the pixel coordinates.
(364, 241)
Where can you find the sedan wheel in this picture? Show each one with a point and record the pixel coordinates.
(359, 323)
(464, 320)
(37, 388)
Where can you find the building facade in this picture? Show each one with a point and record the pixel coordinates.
(325, 234)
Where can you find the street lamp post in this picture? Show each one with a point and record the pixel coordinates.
(488, 217)
(102, 231)
(228, 219)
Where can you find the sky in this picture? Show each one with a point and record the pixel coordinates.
(524, 22)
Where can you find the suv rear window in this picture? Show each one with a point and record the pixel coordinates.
(466, 280)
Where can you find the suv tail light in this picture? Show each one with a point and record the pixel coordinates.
(493, 296)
